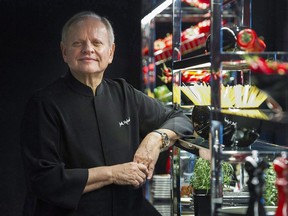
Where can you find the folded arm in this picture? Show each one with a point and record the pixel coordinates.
(150, 148)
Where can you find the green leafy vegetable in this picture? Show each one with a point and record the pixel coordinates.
(201, 178)
(270, 193)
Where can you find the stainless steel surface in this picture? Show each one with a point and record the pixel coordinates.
(218, 60)
(241, 210)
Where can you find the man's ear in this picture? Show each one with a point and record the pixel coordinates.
(63, 50)
(112, 50)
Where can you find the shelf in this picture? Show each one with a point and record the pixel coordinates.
(189, 15)
(251, 118)
(266, 149)
(260, 114)
(187, 46)
(231, 60)
(222, 123)
(190, 144)
(193, 61)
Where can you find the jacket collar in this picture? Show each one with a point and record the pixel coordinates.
(80, 87)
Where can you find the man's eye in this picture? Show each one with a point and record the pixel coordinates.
(76, 43)
(97, 43)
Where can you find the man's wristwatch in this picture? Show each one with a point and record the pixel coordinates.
(165, 139)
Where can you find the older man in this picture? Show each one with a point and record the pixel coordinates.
(90, 143)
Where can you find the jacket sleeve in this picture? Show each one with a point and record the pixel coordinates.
(46, 175)
(153, 115)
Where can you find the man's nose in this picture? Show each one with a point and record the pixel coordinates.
(88, 48)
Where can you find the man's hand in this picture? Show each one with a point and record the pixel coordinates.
(131, 173)
(148, 152)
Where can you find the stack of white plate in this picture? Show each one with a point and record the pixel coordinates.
(161, 186)
(161, 193)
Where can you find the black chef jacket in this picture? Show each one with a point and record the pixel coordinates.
(67, 129)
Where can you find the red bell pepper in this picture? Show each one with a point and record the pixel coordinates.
(248, 40)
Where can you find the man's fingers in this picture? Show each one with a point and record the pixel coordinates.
(151, 171)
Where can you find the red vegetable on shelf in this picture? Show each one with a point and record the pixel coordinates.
(282, 68)
(260, 65)
(166, 76)
(248, 40)
(187, 76)
(168, 41)
(204, 26)
(202, 4)
(264, 66)
(159, 44)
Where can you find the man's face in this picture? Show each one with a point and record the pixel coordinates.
(86, 49)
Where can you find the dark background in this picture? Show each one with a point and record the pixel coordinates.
(30, 58)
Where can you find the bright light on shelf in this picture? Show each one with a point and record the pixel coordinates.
(155, 12)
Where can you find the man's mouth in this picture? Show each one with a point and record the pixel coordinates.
(87, 59)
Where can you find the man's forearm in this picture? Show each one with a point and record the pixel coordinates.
(98, 177)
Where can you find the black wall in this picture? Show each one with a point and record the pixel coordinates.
(270, 20)
(30, 57)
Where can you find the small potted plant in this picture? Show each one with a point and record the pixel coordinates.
(201, 184)
(271, 193)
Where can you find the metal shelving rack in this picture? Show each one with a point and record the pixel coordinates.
(216, 61)
(149, 24)
(165, 13)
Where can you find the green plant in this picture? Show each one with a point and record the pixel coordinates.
(270, 193)
(201, 178)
